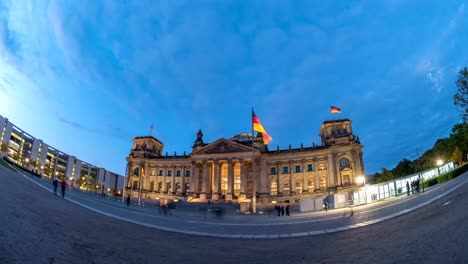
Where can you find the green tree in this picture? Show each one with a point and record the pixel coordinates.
(461, 97)
(405, 167)
(457, 156)
(385, 176)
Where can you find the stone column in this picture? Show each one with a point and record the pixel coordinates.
(305, 185)
(204, 182)
(330, 171)
(194, 179)
(129, 174)
(164, 179)
(278, 178)
(145, 179)
(291, 187)
(243, 180)
(264, 181)
(230, 190)
(316, 175)
(182, 181)
(217, 181)
(173, 191)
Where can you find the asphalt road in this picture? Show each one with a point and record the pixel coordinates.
(38, 227)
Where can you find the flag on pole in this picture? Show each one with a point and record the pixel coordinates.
(142, 170)
(335, 110)
(257, 126)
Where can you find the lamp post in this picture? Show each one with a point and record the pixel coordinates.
(439, 163)
(362, 179)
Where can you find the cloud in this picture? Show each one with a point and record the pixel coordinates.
(77, 125)
(9, 45)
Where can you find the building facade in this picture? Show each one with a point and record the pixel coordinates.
(35, 155)
(236, 170)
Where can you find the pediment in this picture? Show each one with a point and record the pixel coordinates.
(223, 146)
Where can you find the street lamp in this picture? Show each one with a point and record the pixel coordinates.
(362, 179)
(439, 163)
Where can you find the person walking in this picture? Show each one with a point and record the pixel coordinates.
(64, 186)
(128, 200)
(55, 184)
(407, 188)
(282, 210)
(287, 210)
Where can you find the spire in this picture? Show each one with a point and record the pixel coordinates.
(199, 141)
(151, 129)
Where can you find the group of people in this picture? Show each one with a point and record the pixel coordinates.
(415, 187)
(281, 210)
(63, 185)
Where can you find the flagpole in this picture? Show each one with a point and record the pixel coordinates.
(141, 184)
(254, 178)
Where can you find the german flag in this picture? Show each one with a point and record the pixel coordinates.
(257, 126)
(335, 110)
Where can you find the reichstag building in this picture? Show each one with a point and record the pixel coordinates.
(235, 170)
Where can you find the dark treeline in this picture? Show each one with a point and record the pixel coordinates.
(454, 148)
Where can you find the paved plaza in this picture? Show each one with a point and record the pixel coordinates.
(87, 228)
(205, 223)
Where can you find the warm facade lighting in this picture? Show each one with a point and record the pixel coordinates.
(440, 162)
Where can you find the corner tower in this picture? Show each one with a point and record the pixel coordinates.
(337, 132)
(146, 147)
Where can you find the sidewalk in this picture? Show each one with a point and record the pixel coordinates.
(260, 225)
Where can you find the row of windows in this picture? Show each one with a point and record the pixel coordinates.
(286, 169)
(339, 132)
(169, 173)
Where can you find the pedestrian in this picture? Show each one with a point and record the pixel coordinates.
(325, 206)
(287, 210)
(55, 184)
(64, 186)
(407, 188)
(278, 210)
(282, 210)
(128, 200)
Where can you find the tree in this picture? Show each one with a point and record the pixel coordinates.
(457, 156)
(404, 168)
(460, 99)
(385, 176)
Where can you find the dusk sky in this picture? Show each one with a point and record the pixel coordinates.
(87, 77)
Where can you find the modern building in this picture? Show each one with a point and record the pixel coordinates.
(38, 157)
(236, 170)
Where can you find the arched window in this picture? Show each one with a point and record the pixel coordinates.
(344, 162)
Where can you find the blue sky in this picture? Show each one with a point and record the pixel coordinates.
(88, 76)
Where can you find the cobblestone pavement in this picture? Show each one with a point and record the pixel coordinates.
(255, 226)
(38, 227)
